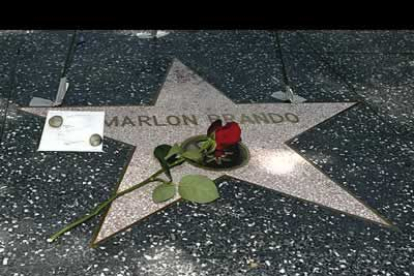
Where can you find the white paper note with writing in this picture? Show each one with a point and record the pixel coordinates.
(74, 133)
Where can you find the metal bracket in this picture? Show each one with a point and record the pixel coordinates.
(288, 96)
(63, 87)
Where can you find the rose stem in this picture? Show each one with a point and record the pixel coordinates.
(99, 208)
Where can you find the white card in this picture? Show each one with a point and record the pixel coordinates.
(75, 132)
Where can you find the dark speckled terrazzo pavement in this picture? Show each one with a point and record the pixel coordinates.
(377, 66)
(250, 230)
(370, 42)
(376, 165)
(128, 68)
(39, 65)
(245, 65)
(8, 60)
(385, 81)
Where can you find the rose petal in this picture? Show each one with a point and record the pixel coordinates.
(214, 126)
(227, 135)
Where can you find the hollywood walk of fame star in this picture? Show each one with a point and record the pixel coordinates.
(272, 163)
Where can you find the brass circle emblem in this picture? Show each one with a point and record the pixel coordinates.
(234, 158)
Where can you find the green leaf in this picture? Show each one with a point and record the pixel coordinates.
(212, 147)
(163, 193)
(193, 155)
(206, 144)
(176, 149)
(160, 153)
(198, 188)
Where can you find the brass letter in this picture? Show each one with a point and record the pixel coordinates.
(127, 121)
(280, 118)
(187, 119)
(244, 118)
(156, 122)
(228, 118)
(213, 118)
(292, 117)
(261, 118)
(141, 120)
(171, 122)
(113, 121)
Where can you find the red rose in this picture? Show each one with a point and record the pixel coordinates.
(225, 136)
(214, 126)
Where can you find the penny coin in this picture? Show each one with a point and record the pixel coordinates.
(95, 140)
(56, 121)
